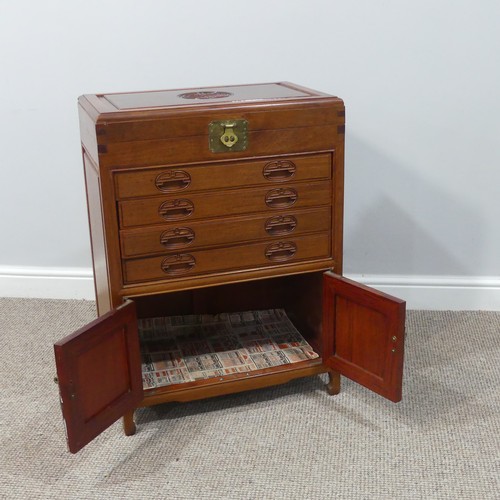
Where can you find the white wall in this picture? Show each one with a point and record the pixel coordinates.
(421, 83)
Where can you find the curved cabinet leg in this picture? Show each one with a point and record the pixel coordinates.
(333, 386)
(129, 427)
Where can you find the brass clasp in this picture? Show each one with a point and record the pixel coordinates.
(229, 138)
(228, 135)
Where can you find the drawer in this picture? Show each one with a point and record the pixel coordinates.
(267, 253)
(154, 181)
(158, 239)
(158, 210)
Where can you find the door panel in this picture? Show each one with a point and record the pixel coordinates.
(99, 374)
(364, 335)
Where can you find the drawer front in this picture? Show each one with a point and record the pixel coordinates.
(187, 263)
(187, 207)
(155, 181)
(190, 235)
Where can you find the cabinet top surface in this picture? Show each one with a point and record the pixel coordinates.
(206, 96)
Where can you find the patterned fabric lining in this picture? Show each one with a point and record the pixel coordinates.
(178, 349)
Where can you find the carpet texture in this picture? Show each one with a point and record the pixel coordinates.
(288, 442)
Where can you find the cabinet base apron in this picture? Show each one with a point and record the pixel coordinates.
(212, 388)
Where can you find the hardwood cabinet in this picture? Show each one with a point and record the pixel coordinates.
(209, 201)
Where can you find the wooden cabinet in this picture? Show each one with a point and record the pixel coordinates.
(210, 203)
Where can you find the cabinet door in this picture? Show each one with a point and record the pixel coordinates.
(364, 335)
(99, 374)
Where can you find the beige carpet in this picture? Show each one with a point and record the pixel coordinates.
(288, 442)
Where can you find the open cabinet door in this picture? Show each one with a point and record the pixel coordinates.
(364, 335)
(99, 374)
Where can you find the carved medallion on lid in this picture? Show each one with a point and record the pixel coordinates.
(207, 94)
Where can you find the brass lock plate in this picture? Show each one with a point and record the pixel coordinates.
(225, 136)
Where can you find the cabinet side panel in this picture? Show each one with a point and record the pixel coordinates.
(99, 257)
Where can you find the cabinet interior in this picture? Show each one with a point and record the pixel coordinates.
(299, 295)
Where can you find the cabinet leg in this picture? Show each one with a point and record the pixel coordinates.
(333, 386)
(128, 423)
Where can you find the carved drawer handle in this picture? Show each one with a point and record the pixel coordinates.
(283, 250)
(281, 198)
(176, 209)
(172, 180)
(177, 238)
(279, 170)
(178, 264)
(282, 224)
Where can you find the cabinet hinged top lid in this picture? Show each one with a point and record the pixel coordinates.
(126, 103)
(110, 121)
